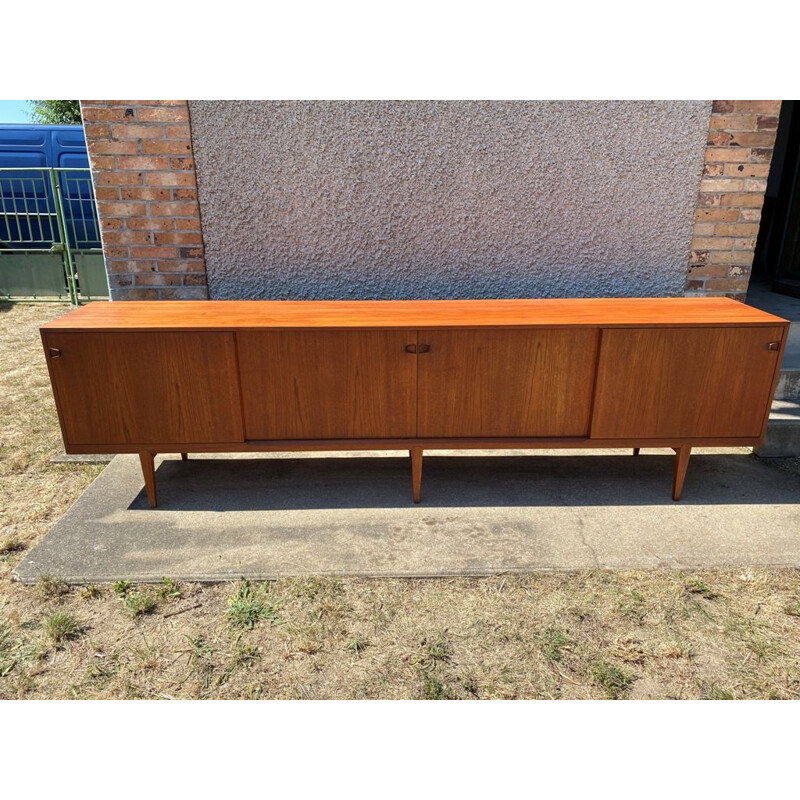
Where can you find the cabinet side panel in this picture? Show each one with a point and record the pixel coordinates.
(506, 383)
(146, 387)
(328, 384)
(684, 382)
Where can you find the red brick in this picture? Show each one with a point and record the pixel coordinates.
(743, 200)
(767, 123)
(762, 155)
(165, 147)
(721, 106)
(712, 243)
(713, 170)
(106, 147)
(118, 266)
(771, 107)
(188, 224)
(174, 114)
(107, 193)
(122, 209)
(154, 252)
(738, 122)
(717, 214)
(174, 209)
(761, 139)
(742, 258)
(157, 279)
(103, 162)
(110, 224)
(720, 138)
(114, 178)
(747, 170)
(184, 194)
(182, 163)
(190, 252)
(127, 237)
(736, 229)
(708, 200)
(726, 285)
(138, 193)
(116, 252)
(738, 154)
(708, 271)
(183, 293)
(698, 256)
(179, 132)
(195, 280)
(189, 265)
(124, 279)
(141, 294)
(721, 185)
(97, 131)
(141, 162)
(137, 131)
(182, 237)
(91, 114)
(755, 185)
(151, 224)
(750, 215)
(170, 178)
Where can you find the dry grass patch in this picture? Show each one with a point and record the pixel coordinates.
(713, 634)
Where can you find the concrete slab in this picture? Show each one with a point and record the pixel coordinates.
(223, 517)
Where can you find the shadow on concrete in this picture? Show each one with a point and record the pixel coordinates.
(463, 482)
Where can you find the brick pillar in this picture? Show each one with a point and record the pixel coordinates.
(740, 140)
(146, 188)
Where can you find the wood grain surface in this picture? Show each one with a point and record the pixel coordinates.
(123, 388)
(689, 382)
(506, 383)
(403, 314)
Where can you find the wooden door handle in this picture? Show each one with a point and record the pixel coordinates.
(774, 346)
(411, 348)
(54, 352)
(418, 348)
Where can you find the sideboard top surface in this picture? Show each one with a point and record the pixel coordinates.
(304, 314)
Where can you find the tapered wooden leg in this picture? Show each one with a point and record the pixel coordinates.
(184, 456)
(416, 471)
(636, 451)
(681, 464)
(149, 471)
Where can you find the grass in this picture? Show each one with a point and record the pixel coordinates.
(61, 626)
(613, 680)
(246, 606)
(716, 634)
(140, 602)
(11, 545)
(50, 587)
(553, 643)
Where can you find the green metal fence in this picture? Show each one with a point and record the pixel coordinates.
(50, 236)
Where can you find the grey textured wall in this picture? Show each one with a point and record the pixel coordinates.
(447, 199)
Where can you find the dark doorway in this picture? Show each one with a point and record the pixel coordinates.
(777, 255)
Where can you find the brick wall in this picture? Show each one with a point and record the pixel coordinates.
(740, 140)
(146, 187)
(143, 170)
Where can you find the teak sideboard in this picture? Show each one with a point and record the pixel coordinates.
(228, 376)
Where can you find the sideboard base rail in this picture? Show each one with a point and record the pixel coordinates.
(416, 451)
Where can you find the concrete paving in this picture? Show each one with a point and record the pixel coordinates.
(223, 517)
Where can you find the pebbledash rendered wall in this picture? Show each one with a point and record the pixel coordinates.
(380, 199)
(447, 199)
